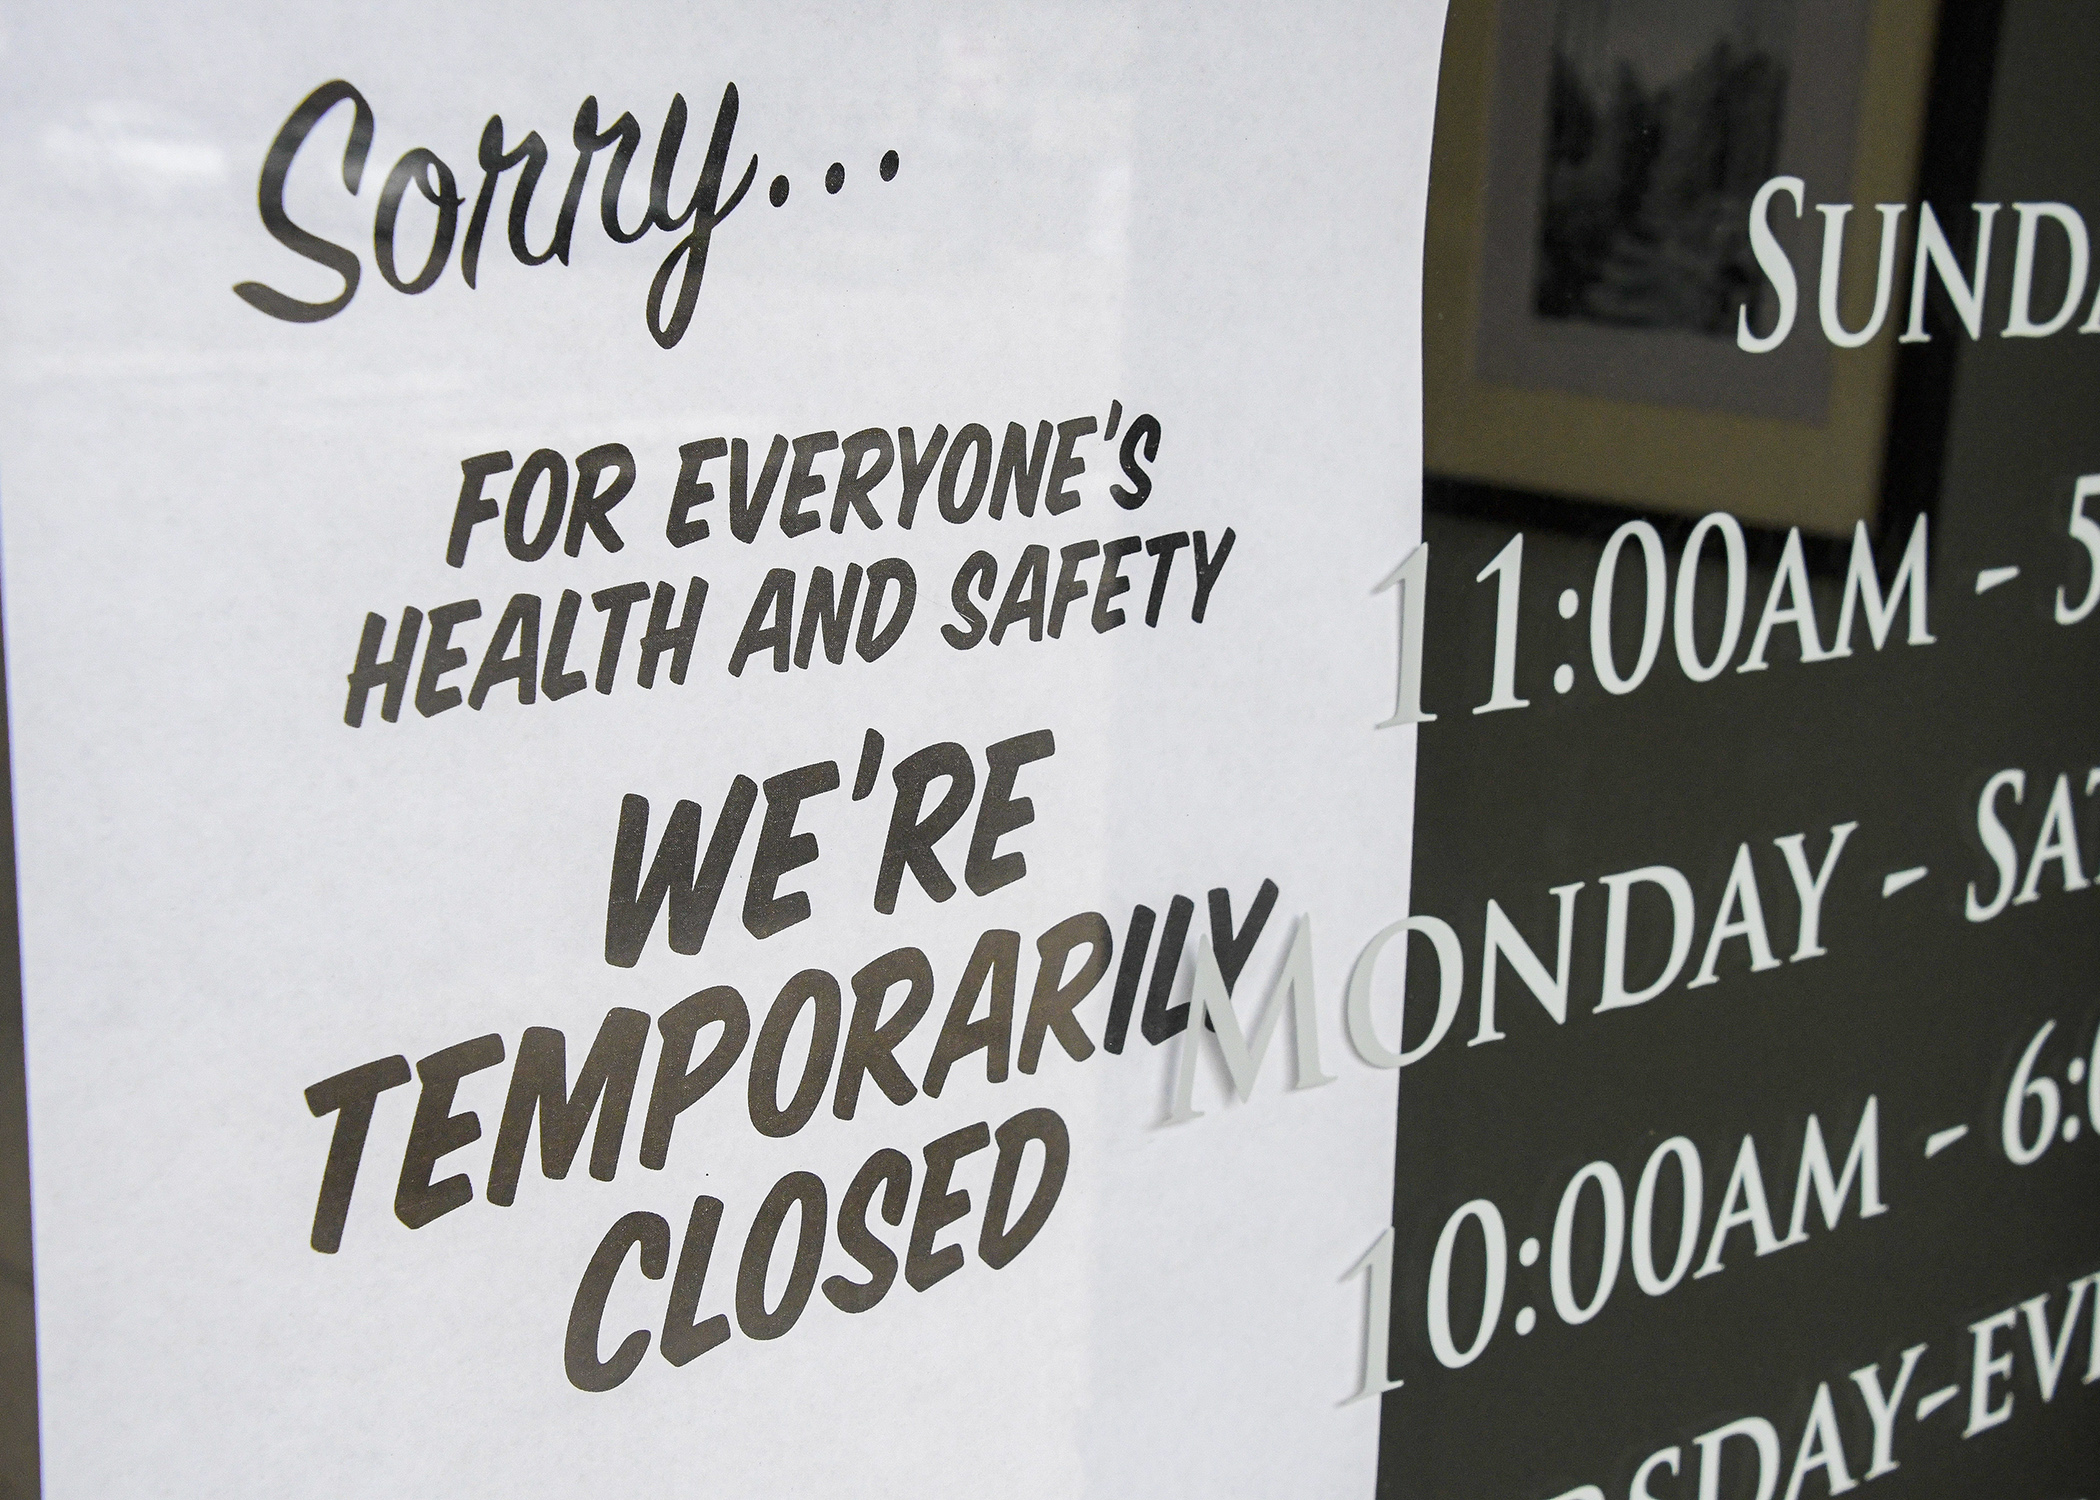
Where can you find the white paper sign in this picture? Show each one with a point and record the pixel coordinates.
(630, 629)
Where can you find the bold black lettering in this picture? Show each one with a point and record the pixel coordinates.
(392, 674)
(769, 625)
(1064, 468)
(1161, 1020)
(557, 681)
(584, 136)
(871, 1042)
(973, 438)
(993, 970)
(434, 180)
(938, 1208)
(1163, 548)
(747, 507)
(535, 151)
(1145, 430)
(1000, 812)
(686, 1335)
(810, 988)
(495, 161)
(873, 640)
(911, 838)
(632, 904)
(676, 1089)
(588, 140)
(539, 1084)
(1020, 470)
(820, 612)
(441, 656)
(870, 764)
(616, 604)
(269, 195)
(691, 491)
(1112, 581)
(349, 1097)
(1136, 944)
(474, 507)
(781, 849)
(1055, 998)
(543, 461)
(521, 618)
(1233, 949)
(981, 571)
(918, 468)
(692, 250)
(891, 1172)
(437, 1132)
(1070, 589)
(1208, 567)
(999, 1241)
(1033, 570)
(803, 485)
(594, 503)
(652, 1236)
(858, 476)
(804, 1190)
(662, 635)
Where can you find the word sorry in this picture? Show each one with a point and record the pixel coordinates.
(434, 181)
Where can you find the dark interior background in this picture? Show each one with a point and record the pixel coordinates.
(1913, 1004)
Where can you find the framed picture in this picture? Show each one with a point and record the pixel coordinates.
(1588, 251)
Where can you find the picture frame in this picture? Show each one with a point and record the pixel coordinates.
(1601, 402)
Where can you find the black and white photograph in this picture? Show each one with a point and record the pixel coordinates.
(1664, 119)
